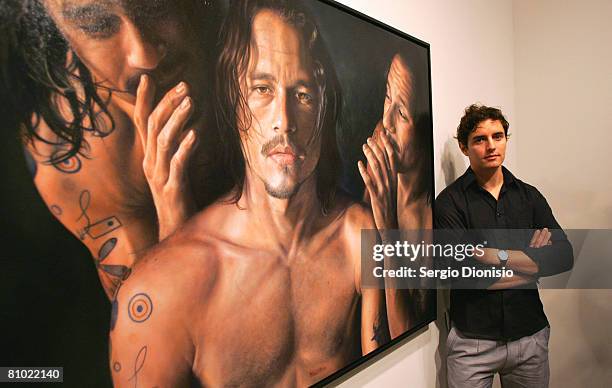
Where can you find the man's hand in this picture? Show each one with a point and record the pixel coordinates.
(167, 150)
(518, 260)
(540, 238)
(380, 178)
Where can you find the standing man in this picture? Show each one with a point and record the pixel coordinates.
(262, 288)
(107, 164)
(502, 329)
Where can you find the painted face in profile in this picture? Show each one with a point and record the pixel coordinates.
(398, 120)
(281, 144)
(120, 40)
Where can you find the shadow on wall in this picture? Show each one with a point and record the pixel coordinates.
(443, 325)
(452, 162)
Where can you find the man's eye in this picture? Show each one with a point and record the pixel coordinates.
(479, 140)
(304, 97)
(263, 90)
(498, 136)
(402, 115)
(101, 28)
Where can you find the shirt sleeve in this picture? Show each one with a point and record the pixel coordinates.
(558, 257)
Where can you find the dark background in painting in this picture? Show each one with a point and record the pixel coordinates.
(53, 311)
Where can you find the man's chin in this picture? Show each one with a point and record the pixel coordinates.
(284, 190)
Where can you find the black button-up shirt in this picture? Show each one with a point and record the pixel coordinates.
(512, 313)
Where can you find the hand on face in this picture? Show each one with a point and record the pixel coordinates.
(380, 178)
(168, 149)
(397, 120)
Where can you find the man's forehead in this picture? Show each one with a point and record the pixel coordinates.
(400, 77)
(487, 127)
(275, 43)
(80, 7)
(272, 33)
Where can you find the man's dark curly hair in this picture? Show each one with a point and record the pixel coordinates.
(39, 73)
(474, 115)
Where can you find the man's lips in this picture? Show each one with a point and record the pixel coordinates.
(491, 157)
(283, 155)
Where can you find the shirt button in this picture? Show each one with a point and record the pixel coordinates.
(499, 214)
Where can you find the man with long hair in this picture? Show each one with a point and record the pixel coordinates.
(111, 165)
(262, 288)
(397, 180)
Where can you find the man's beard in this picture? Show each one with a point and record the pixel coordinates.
(283, 191)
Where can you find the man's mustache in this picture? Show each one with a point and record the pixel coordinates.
(277, 140)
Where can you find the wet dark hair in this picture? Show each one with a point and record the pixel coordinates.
(474, 115)
(234, 55)
(40, 73)
(37, 72)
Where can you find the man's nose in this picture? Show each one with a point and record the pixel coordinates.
(490, 144)
(142, 51)
(388, 119)
(283, 118)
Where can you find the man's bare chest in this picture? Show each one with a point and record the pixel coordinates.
(272, 315)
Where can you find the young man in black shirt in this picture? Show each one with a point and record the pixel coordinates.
(501, 329)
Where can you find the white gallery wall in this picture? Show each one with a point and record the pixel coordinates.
(563, 102)
(548, 65)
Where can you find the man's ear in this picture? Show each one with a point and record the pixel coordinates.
(463, 148)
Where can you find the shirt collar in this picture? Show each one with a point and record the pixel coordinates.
(469, 178)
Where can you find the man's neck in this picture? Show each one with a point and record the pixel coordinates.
(490, 179)
(287, 221)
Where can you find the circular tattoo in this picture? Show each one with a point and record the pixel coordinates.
(69, 166)
(140, 307)
(117, 367)
(56, 210)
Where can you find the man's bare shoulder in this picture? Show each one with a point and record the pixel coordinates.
(223, 219)
(356, 216)
(183, 263)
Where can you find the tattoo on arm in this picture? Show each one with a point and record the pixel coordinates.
(114, 312)
(116, 365)
(140, 307)
(378, 330)
(115, 272)
(138, 364)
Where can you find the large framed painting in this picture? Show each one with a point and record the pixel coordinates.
(187, 184)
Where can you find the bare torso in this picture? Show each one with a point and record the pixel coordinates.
(256, 314)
